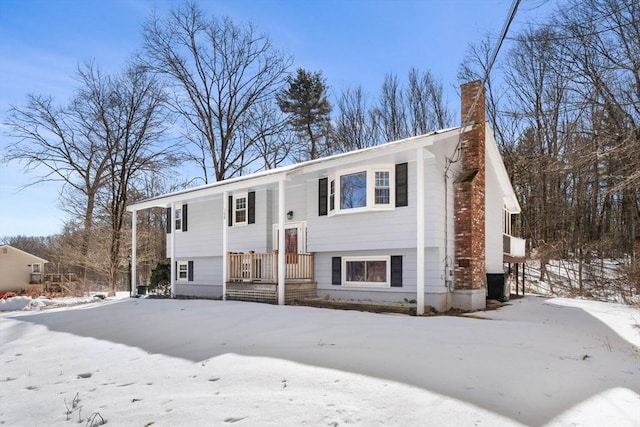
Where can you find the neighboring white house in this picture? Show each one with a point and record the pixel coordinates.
(419, 219)
(19, 269)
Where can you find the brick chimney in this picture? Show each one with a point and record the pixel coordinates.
(469, 216)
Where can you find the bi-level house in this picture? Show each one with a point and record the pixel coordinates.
(419, 219)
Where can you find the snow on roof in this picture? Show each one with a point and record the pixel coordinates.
(273, 175)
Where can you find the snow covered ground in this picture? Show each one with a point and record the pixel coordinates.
(150, 362)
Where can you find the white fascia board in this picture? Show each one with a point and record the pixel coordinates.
(493, 154)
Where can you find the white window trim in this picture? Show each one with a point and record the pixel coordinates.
(371, 186)
(244, 196)
(347, 284)
(186, 265)
(39, 268)
(178, 212)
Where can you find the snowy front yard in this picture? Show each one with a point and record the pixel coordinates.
(145, 362)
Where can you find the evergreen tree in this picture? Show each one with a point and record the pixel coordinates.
(304, 99)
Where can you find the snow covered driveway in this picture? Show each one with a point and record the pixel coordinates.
(144, 362)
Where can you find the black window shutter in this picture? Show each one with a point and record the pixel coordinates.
(230, 211)
(176, 270)
(190, 271)
(169, 219)
(336, 270)
(251, 207)
(396, 271)
(402, 196)
(184, 217)
(322, 196)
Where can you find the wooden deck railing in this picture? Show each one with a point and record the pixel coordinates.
(263, 267)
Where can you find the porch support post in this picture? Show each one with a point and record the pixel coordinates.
(281, 242)
(420, 232)
(173, 250)
(134, 246)
(225, 253)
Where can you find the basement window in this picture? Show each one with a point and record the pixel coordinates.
(369, 271)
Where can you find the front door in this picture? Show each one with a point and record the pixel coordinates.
(295, 238)
(299, 264)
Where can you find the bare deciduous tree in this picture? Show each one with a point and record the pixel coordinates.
(220, 73)
(354, 128)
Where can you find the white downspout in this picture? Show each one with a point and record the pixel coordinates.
(281, 242)
(420, 231)
(225, 230)
(173, 250)
(134, 246)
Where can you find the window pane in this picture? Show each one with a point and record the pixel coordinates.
(291, 240)
(376, 271)
(382, 196)
(355, 271)
(382, 179)
(353, 190)
(241, 203)
(241, 216)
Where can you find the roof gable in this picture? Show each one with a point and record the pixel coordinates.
(11, 248)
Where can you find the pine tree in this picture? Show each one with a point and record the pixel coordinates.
(304, 99)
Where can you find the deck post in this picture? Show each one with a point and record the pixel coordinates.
(225, 253)
(420, 232)
(281, 242)
(134, 232)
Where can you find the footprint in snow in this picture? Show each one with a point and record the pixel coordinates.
(85, 375)
(233, 420)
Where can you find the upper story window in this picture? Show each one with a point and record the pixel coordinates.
(36, 268)
(240, 209)
(507, 222)
(332, 195)
(178, 218)
(364, 189)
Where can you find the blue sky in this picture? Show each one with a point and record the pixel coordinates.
(351, 41)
